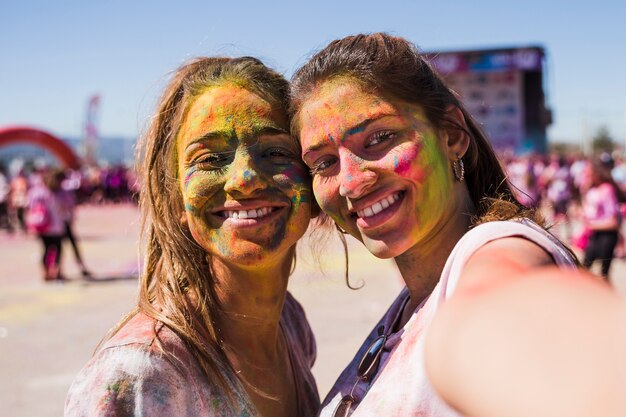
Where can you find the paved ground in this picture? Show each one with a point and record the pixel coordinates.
(48, 331)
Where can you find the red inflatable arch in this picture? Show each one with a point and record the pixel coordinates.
(28, 135)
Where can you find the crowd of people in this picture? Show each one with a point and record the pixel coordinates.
(88, 185)
(42, 202)
(573, 190)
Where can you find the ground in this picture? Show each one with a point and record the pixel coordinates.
(49, 331)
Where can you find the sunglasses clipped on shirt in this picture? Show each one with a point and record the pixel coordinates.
(365, 372)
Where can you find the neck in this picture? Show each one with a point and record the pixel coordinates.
(250, 303)
(421, 265)
(247, 320)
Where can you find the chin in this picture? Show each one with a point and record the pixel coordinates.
(381, 250)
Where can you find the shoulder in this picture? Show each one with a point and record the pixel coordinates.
(130, 376)
(518, 235)
(520, 240)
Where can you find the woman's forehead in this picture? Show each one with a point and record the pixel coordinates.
(230, 107)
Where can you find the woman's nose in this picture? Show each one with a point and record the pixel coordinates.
(243, 175)
(356, 177)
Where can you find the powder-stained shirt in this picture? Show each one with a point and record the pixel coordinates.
(600, 203)
(130, 375)
(401, 386)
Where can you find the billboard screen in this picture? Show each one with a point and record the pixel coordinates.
(502, 89)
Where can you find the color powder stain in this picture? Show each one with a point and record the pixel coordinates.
(216, 403)
(247, 175)
(402, 165)
(188, 176)
(354, 131)
(190, 208)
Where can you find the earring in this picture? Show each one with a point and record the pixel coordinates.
(458, 168)
(340, 230)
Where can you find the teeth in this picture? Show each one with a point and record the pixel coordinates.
(247, 214)
(379, 206)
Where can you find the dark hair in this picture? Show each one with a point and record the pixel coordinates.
(602, 171)
(176, 285)
(394, 68)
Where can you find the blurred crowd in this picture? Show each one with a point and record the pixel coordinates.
(583, 197)
(89, 185)
(576, 190)
(42, 202)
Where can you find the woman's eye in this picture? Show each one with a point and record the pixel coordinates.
(279, 155)
(380, 137)
(212, 161)
(322, 166)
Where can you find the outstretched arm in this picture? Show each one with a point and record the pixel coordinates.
(520, 338)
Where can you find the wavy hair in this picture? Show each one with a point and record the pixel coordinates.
(176, 284)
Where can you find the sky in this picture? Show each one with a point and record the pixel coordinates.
(54, 55)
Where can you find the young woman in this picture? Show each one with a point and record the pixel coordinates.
(602, 216)
(225, 199)
(45, 218)
(486, 325)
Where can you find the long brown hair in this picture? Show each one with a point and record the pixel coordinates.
(176, 285)
(394, 68)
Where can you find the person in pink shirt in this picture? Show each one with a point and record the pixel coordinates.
(225, 198)
(495, 318)
(602, 216)
(44, 218)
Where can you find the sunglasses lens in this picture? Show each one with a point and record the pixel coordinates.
(369, 363)
(343, 408)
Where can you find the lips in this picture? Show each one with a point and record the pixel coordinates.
(378, 206)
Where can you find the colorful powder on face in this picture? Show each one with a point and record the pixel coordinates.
(189, 174)
(354, 131)
(227, 119)
(403, 163)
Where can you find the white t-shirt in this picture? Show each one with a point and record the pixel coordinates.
(401, 386)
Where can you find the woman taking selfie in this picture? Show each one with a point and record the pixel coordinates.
(225, 198)
(490, 321)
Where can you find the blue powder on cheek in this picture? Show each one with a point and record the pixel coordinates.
(396, 161)
(247, 175)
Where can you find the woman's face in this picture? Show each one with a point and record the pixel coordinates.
(246, 191)
(379, 167)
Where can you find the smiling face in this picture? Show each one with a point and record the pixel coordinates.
(380, 169)
(245, 189)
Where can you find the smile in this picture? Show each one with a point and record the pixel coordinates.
(378, 206)
(246, 214)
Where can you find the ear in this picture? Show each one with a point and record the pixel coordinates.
(457, 139)
(183, 218)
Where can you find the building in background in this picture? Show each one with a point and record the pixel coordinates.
(504, 90)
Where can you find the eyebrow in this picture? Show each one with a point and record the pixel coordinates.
(268, 129)
(359, 127)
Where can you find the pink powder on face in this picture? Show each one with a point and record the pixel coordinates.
(404, 161)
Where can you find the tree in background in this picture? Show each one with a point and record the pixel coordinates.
(602, 141)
